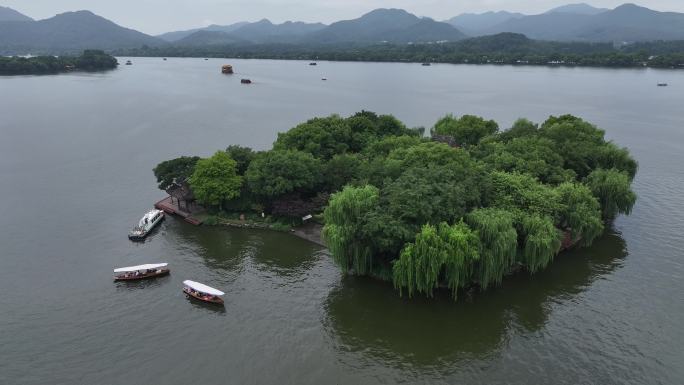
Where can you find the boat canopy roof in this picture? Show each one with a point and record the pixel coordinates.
(140, 267)
(148, 215)
(202, 287)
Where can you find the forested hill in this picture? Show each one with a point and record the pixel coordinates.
(505, 48)
(70, 32)
(9, 14)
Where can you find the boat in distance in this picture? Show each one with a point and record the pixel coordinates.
(148, 222)
(134, 273)
(202, 292)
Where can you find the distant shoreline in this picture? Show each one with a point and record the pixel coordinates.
(515, 64)
(88, 61)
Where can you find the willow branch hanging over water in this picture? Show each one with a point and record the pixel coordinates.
(461, 209)
(439, 254)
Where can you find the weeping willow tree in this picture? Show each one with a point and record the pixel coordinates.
(343, 218)
(498, 243)
(580, 212)
(542, 240)
(420, 263)
(464, 246)
(442, 254)
(613, 190)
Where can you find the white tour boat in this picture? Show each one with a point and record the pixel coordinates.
(146, 224)
(133, 273)
(202, 292)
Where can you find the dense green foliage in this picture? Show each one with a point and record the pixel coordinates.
(467, 130)
(280, 172)
(504, 48)
(439, 254)
(90, 60)
(345, 211)
(242, 156)
(174, 170)
(214, 180)
(424, 213)
(612, 188)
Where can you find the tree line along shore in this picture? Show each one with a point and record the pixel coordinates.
(89, 60)
(505, 48)
(459, 209)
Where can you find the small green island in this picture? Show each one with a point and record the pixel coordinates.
(458, 210)
(89, 60)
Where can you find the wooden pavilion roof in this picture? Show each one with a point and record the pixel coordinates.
(181, 191)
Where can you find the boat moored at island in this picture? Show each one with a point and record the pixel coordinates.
(148, 222)
(202, 292)
(134, 273)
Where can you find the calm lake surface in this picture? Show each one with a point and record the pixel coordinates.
(76, 153)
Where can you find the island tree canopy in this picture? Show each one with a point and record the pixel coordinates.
(174, 170)
(426, 214)
(215, 180)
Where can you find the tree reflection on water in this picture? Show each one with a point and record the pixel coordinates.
(368, 317)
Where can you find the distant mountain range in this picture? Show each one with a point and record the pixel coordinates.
(177, 35)
(68, 32)
(474, 23)
(74, 31)
(582, 22)
(380, 25)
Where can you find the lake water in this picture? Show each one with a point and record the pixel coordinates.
(76, 153)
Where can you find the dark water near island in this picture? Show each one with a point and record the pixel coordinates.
(76, 153)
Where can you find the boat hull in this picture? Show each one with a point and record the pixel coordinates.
(215, 300)
(160, 273)
(141, 237)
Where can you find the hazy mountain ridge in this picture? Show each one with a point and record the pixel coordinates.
(392, 25)
(471, 23)
(579, 9)
(69, 32)
(9, 14)
(206, 37)
(627, 22)
(178, 35)
(264, 31)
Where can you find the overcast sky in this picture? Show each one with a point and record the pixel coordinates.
(157, 16)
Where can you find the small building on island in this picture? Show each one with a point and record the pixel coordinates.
(182, 193)
(181, 201)
(447, 139)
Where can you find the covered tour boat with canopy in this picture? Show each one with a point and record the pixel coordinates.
(151, 219)
(202, 292)
(133, 273)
